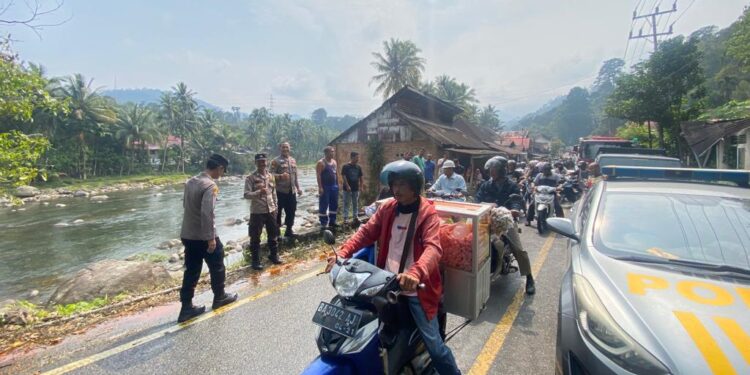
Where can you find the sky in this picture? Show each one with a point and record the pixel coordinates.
(516, 54)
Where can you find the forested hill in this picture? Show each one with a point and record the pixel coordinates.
(706, 73)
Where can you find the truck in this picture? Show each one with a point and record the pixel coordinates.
(588, 147)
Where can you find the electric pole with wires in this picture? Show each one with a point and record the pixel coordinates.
(651, 18)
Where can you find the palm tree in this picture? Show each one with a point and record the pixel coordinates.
(489, 118)
(185, 120)
(167, 122)
(398, 66)
(458, 94)
(135, 124)
(90, 113)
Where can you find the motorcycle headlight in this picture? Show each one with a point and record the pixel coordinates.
(347, 282)
(371, 291)
(606, 335)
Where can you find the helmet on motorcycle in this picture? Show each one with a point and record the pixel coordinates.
(522, 165)
(558, 164)
(403, 170)
(546, 168)
(497, 163)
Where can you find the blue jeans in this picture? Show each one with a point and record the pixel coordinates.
(442, 357)
(353, 198)
(328, 203)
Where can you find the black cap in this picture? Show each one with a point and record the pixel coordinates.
(261, 156)
(219, 160)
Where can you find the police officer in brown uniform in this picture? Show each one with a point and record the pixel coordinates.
(284, 170)
(200, 239)
(260, 188)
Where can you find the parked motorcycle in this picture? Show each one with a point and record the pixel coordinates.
(366, 328)
(544, 199)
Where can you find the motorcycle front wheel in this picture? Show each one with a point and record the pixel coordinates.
(541, 221)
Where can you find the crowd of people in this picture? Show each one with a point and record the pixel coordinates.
(273, 189)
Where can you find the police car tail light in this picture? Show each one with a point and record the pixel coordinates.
(347, 282)
(601, 330)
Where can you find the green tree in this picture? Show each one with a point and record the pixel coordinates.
(135, 128)
(489, 118)
(23, 91)
(185, 116)
(19, 154)
(89, 117)
(319, 116)
(574, 118)
(399, 65)
(667, 88)
(458, 94)
(738, 45)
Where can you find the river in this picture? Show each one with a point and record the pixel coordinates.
(41, 247)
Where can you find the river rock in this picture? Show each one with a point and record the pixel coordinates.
(312, 210)
(33, 293)
(78, 221)
(26, 191)
(61, 225)
(175, 242)
(230, 222)
(45, 203)
(63, 191)
(80, 194)
(60, 205)
(109, 277)
(99, 198)
(174, 258)
(19, 316)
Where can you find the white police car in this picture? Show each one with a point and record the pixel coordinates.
(659, 280)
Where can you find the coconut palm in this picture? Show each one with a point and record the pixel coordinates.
(398, 66)
(135, 126)
(489, 118)
(90, 114)
(185, 116)
(458, 94)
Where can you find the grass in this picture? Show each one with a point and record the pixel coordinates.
(151, 257)
(98, 182)
(40, 312)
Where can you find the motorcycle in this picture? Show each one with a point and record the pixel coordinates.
(501, 260)
(456, 196)
(544, 199)
(570, 188)
(366, 328)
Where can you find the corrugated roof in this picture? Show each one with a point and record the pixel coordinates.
(445, 135)
(701, 136)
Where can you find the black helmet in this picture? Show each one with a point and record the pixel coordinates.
(546, 167)
(402, 169)
(496, 162)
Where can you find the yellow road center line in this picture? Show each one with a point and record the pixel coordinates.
(175, 328)
(494, 343)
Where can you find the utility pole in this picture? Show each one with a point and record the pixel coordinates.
(651, 18)
(655, 34)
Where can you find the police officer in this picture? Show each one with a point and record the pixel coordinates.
(498, 190)
(260, 188)
(200, 239)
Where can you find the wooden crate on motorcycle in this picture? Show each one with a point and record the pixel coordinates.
(465, 239)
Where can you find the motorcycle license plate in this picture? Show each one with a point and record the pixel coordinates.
(337, 319)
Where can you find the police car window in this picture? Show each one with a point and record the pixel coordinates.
(707, 229)
(586, 207)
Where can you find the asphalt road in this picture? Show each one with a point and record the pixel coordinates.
(270, 330)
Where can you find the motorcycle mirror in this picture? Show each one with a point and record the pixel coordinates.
(392, 297)
(328, 237)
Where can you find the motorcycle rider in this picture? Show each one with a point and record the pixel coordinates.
(498, 190)
(450, 183)
(389, 227)
(546, 178)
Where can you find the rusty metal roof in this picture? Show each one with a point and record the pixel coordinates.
(444, 135)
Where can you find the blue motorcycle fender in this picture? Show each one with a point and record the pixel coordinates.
(326, 366)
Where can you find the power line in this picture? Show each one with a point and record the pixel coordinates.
(683, 12)
(653, 19)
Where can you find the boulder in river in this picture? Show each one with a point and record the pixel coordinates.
(26, 191)
(99, 198)
(109, 278)
(60, 205)
(80, 194)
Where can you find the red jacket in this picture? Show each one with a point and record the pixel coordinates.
(427, 250)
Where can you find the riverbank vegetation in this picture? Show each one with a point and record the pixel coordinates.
(63, 127)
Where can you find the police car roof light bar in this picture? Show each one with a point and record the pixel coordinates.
(739, 177)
